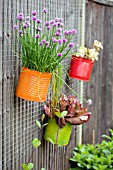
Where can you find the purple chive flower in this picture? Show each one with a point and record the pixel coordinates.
(38, 29)
(24, 26)
(57, 34)
(54, 40)
(47, 43)
(27, 23)
(20, 14)
(59, 54)
(20, 17)
(52, 22)
(15, 27)
(70, 45)
(60, 20)
(59, 24)
(64, 40)
(27, 18)
(34, 13)
(70, 32)
(45, 10)
(59, 29)
(41, 44)
(47, 23)
(20, 32)
(60, 41)
(43, 41)
(37, 36)
(38, 21)
(74, 31)
(48, 27)
(34, 18)
(66, 32)
(89, 102)
(57, 19)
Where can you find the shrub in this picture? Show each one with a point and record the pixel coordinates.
(94, 157)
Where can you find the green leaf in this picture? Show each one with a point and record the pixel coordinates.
(44, 125)
(50, 140)
(107, 137)
(64, 113)
(30, 166)
(38, 124)
(36, 143)
(43, 169)
(24, 166)
(72, 159)
(77, 168)
(58, 114)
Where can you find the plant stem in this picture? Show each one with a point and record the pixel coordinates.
(33, 149)
(71, 89)
(55, 146)
(31, 155)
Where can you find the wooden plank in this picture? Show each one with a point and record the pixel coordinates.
(5, 85)
(13, 16)
(17, 127)
(1, 36)
(98, 26)
(108, 51)
(103, 2)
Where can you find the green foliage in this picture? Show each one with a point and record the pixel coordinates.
(36, 143)
(28, 166)
(62, 114)
(43, 50)
(44, 125)
(38, 124)
(94, 157)
(50, 140)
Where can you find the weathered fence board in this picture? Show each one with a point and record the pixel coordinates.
(1, 86)
(99, 25)
(104, 2)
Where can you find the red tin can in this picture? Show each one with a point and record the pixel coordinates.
(80, 68)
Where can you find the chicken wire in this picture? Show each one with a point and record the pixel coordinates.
(17, 116)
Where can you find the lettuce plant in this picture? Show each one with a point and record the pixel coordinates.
(72, 110)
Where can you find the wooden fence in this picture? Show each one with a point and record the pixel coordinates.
(17, 116)
(99, 25)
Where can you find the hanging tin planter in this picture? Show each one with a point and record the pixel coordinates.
(33, 85)
(52, 130)
(80, 68)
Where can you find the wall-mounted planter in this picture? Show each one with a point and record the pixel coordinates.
(80, 68)
(63, 133)
(33, 85)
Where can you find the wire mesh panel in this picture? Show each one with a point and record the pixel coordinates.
(17, 116)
